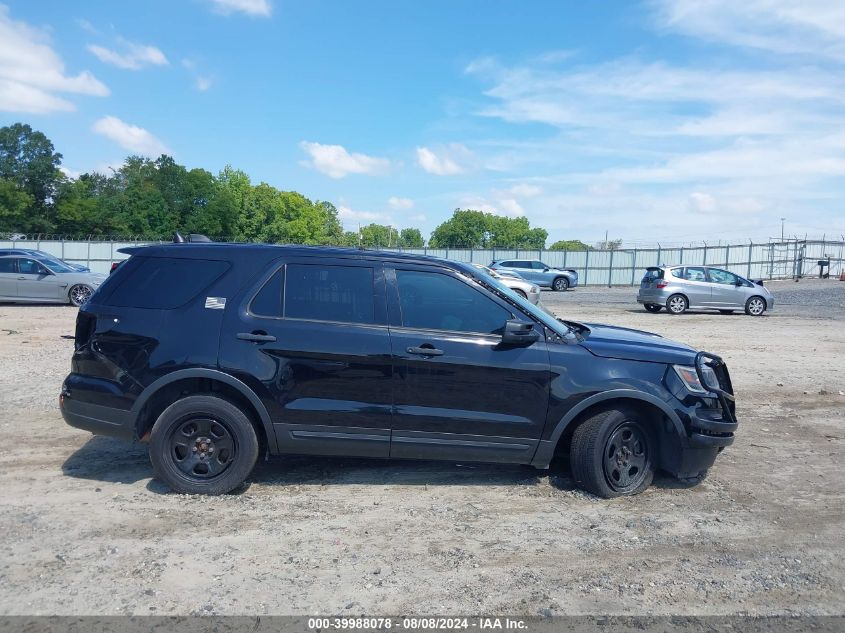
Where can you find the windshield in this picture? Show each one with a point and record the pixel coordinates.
(56, 266)
(539, 311)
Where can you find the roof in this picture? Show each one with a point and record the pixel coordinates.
(268, 251)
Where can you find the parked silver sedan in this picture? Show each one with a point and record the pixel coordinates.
(31, 280)
(524, 289)
(679, 288)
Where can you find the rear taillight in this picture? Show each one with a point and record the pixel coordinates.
(114, 266)
(85, 323)
(661, 284)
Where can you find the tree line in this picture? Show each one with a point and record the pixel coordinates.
(155, 198)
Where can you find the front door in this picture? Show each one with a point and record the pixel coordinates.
(724, 290)
(458, 392)
(36, 282)
(312, 339)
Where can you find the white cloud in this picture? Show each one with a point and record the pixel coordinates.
(133, 57)
(336, 162)
(445, 161)
(135, 139)
(702, 202)
(32, 73)
(202, 83)
(259, 8)
(400, 203)
(523, 190)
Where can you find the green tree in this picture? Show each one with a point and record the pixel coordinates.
(15, 204)
(569, 245)
(28, 159)
(378, 236)
(468, 228)
(609, 245)
(411, 238)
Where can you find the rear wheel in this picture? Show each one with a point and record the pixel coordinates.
(614, 453)
(203, 445)
(79, 294)
(653, 307)
(755, 306)
(561, 283)
(677, 304)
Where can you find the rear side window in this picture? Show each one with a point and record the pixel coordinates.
(268, 301)
(329, 293)
(695, 274)
(7, 266)
(165, 283)
(678, 272)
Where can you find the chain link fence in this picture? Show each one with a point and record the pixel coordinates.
(622, 267)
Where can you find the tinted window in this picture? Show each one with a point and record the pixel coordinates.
(433, 301)
(508, 263)
(268, 301)
(521, 264)
(30, 267)
(165, 283)
(538, 266)
(694, 274)
(329, 293)
(7, 266)
(722, 277)
(653, 274)
(678, 272)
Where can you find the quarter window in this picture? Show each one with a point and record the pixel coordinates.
(678, 272)
(165, 283)
(329, 293)
(434, 301)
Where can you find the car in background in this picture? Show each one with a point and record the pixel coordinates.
(524, 289)
(30, 280)
(41, 255)
(680, 288)
(537, 272)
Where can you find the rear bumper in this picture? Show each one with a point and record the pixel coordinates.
(658, 297)
(96, 418)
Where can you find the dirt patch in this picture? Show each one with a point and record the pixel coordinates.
(87, 531)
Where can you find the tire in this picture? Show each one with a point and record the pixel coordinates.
(79, 294)
(520, 293)
(560, 284)
(726, 311)
(677, 304)
(190, 438)
(755, 306)
(654, 308)
(614, 453)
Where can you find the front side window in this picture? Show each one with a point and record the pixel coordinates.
(434, 301)
(268, 301)
(538, 266)
(329, 293)
(695, 274)
(722, 277)
(521, 264)
(30, 267)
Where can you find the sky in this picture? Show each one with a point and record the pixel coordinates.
(657, 121)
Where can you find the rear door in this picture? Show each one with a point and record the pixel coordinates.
(697, 287)
(458, 392)
(8, 277)
(311, 337)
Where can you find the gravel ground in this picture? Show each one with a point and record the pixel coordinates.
(87, 531)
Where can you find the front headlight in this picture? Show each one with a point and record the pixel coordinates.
(689, 377)
(535, 290)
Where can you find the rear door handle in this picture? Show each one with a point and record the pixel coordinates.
(425, 351)
(256, 337)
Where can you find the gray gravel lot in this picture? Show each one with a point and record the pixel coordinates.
(87, 531)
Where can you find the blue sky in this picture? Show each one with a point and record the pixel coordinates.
(666, 120)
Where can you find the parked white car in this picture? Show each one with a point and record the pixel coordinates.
(524, 289)
(30, 280)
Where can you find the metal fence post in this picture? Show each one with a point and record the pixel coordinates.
(727, 255)
(750, 255)
(610, 271)
(634, 267)
(587, 268)
(657, 263)
(682, 255)
(564, 258)
(704, 258)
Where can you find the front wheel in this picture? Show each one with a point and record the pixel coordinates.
(755, 306)
(677, 304)
(79, 294)
(614, 453)
(561, 283)
(520, 293)
(653, 307)
(203, 445)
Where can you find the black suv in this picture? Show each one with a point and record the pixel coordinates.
(217, 353)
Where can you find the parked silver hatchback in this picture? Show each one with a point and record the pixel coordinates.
(680, 288)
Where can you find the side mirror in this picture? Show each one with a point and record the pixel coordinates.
(519, 333)
(738, 282)
(545, 270)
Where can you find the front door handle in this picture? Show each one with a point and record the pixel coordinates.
(425, 351)
(256, 337)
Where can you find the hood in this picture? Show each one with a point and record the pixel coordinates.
(82, 278)
(618, 342)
